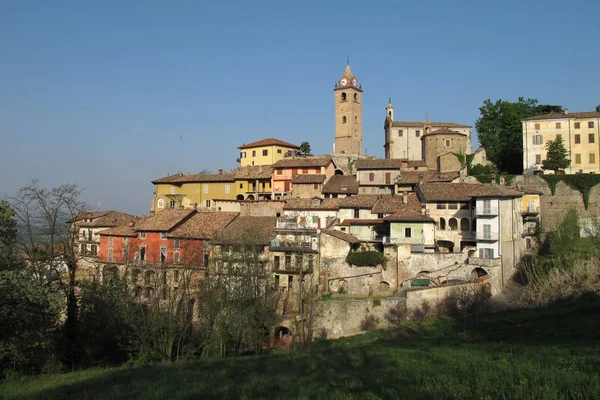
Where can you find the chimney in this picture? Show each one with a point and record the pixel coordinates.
(220, 171)
(260, 169)
(566, 111)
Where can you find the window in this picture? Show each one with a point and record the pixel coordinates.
(243, 154)
(206, 260)
(591, 138)
(205, 188)
(487, 231)
(356, 213)
(125, 254)
(142, 235)
(94, 249)
(448, 142)
(486, 253)
(311, 261)
(487, 207)
(356, 120)
(558, 125)
(452, 206)
(577, 158)
(441, 206)
(172, 191)
(344, 119)
(111, 240)
(163, 236)
(160, 203)
(400, 133)
(407, 232)
(299, 261)
(276, 262)
(577, 125)
(442, 224)
(172, 204)
(176, 257)
(84, 248)
(577, 138)
(371, 176)
(537, 139)
(315, 186)
(143, 253)
(315, 219)
(279, 172)
(288, 260)
(592, 158)
(278, 151)
(355, 97)
(453, 224)
(207, 203)
(538, 158)
(253, 153)
(177, 243)
(305, 170)
(163, 254)
(110, 254)
(537, 127)
(290, 281)
(344, 96)
(265, 152)
(176, 276)
(417, 133)
(227, 189)
(591, 124)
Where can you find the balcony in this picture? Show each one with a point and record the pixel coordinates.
(298, 247)
(293, 225)
(485, 212)
(531, 211)
(487, 236)
(485, 262)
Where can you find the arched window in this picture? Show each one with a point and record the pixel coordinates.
(160, 203)
(442, 224)
(390, 113)
(343, 96)
(344, 119)
(355, 97)
(464, 224)
(356, 119)
(474, 225)
(453, 224)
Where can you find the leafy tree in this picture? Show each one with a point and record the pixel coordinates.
(500, 131)
(556, 156)
(549, 109)
(8, 235)
(305, 149)
(563, 240)
(598, 108)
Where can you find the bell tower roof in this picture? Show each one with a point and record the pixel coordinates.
(348, 80)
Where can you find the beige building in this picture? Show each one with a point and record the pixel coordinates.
(444, 142)
(580, 132)
(348, 114)
(265, 152)
(404, 139)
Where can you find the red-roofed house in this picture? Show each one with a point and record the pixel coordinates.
(265, 152)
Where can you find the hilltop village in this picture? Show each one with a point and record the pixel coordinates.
(406, 228)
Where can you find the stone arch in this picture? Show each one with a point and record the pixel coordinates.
(239, 197)
(138, 291)
(339, 172)
(250, 197)
(443, 224)
(135, 275)
(149, 291)
(478, 273)
(355, 96)
(110, 272)
(149, 277)
(384, 286)
(465, 224)
(423, 273)
(453, 224)
(446, 246)
(344, 96)
(267, 197)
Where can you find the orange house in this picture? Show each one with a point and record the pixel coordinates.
(285, 170)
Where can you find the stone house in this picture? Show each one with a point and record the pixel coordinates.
(438, 143)
(308, 185)
(377, 176)
(340, 186)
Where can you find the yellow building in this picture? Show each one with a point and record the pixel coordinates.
(253, 182)
(580, 132)
(265, 152)
(193, 191)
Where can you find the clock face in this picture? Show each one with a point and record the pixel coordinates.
(354, 82)
(344, 82)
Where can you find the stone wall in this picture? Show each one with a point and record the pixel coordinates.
(553, 208)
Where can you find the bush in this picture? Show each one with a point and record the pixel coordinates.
(421, 313)
(365, 258)
(397, 315)
(447, 306)
(369, 323)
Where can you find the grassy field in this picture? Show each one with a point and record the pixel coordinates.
(549, 353)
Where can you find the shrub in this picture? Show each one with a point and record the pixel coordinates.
(421, 313)
(397, 315)
(365, 258)
(447, 306)
(369, 322)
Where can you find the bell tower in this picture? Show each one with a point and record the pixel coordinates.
(348, 114)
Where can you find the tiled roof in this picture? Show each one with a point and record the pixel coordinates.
(268, 142)
(360, 201)
(247, 230)
(165, 220)
(495, 190)
(413, 177)
(308, 178)
(303, 162)
(122, 230)
(253, 172)
(445, 131)
(416, 163)
(583, 114)
(194, 178)
(408, 216)
(447, 191)
(342, 235)
(361, 221)
(417, 124)
(341, 184)
(104, 218)
(527, 190)
(203, 225)
(309, 204)
(390, 204)
(378, 164)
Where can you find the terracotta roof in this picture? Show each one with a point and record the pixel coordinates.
(309, 204)
(447, 191)
(301, 162)
(268, 142)
(123, 230)
(527, 190)
(413, 177)
(341, 184)
(360, 201)
(342, 235)
(361, 221)
(247, 230)
(165, 220)
(203, 225)
(583, 114)
(495, 190)
(253, 172)
(445, 131)
(378, 164)
(194, 178)
(416, 163)
(408, 216)
(390, 204)
(104, 218)
(417, 124)
(308, 178)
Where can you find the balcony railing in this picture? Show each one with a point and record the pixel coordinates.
(294, 225)
(302, 246)
(531, 210)
(485, 262)
(486, 211)
(487, 236)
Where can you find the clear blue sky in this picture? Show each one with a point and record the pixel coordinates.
(113, 94)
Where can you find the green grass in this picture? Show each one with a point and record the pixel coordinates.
(551, 353)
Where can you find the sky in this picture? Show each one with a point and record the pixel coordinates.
(113, 94)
